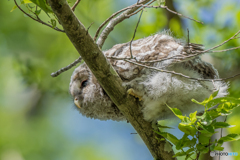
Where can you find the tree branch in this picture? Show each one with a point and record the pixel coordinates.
(107, 77)
(113, 22)
(60, 71)
(75, 5)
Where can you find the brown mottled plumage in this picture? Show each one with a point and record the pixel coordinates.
(156, 89)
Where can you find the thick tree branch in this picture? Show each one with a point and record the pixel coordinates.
(107, 77)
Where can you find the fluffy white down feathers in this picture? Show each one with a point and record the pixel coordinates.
(156, 88)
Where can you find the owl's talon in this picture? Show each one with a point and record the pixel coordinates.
(133, 93)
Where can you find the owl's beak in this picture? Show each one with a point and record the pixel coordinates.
(76, 102)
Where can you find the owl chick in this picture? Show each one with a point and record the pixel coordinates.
(154, 89)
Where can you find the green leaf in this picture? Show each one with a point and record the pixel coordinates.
(181, 142)
(37, 12)
(230, 137)
(193, 117)
(207, 119)
(188, 129)
(201, 148)
(189, 150)
(43, 5)
(214, 113)
(13, 8)
(26, 2)
(169, 137)
(161, 126)
(189, 143)
(219, 147)
(230, 102)
(204, 139)
(222, 125)
(189, 155)
(53, 22)
(207, 131)
(195, 101)
(178, 154)
(215, 94)
(212, 147)
(177, 113)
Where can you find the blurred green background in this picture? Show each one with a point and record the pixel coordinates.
(37, 117)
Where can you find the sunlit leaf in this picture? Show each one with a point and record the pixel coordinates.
(207, 120)
(177, 113)
(193, 117)
(230, 137)
(13, 8)
(26, 2)
(43, 5)
(222, 125)
(188, 129)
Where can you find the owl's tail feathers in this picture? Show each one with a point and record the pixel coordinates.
(194, 46)
(222, 88)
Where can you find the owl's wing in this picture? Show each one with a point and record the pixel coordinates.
(156, 47)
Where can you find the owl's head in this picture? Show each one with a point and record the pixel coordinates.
(80, 83)
(90, 98)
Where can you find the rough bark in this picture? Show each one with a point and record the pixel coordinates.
(107, 77)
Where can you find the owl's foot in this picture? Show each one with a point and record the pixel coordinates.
(133, 93)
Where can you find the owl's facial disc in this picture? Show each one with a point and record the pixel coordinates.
(77, 103)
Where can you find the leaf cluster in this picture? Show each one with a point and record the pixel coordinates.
(35, 7)
(199, 128)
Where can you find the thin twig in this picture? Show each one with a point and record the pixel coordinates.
(113, 22)
(135, 12)
(107, 20)
(75, 5)
(221, 133)
(135, 34)
(180, 74)
(57, 73)
(179, 57)
(113, 15)
(89, 27)
(38, 19)
(233, 37)
(224, 50)
(130, 11)
(165, 7)
(236, 37)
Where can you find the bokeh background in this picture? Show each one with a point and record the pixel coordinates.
(37, 117)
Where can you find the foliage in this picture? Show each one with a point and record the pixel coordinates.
(198, 129)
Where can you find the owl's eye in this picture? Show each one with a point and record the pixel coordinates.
(84, 83)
